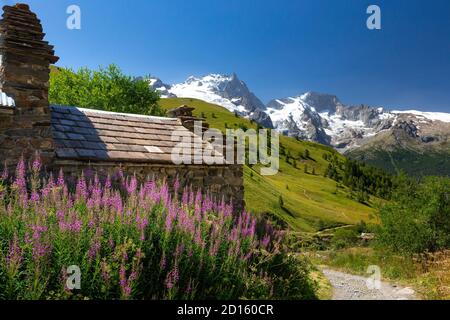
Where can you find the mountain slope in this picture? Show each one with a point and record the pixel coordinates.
(362, 132)
(413, 141)
(311, 202)
(227, 91)
(402, 149)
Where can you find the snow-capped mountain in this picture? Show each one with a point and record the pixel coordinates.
(311, 116)
(324, 119)
(224, 90)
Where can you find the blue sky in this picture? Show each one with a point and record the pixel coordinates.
(279, 48)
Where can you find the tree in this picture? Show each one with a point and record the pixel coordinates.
(307, 154)
(104, 89)
(281, 201)
(417, 219)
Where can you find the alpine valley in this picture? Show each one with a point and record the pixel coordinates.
(413, 141)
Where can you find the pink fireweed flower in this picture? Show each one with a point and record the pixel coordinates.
(122, 278)
(96, 245)
(233, 237)
(179, 250)
(248, 256)
(170, 217)
(198, 205)
(149, 187)
(34, 197)
(132, 185)
(228, 211)
(81, 189)
(165, 195)
(207, 205)
(108, 183)
(36, 166)
(60, 215)
(125, 284)
(172, 278)
(118, 175)
(265, 241)
(15, 253)
(60, 182)
(111, 243)
(117, 203)
(105, 271)
(215, 247)
(20, 181)
(185, 198)
(76, 225)
(189, 287)
(141, 223)
(90, 203)
(198, 236)
(163, 262)
(176, 185)
(139, 253)
(39, 248)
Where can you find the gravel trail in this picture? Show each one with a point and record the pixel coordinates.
(351, 287)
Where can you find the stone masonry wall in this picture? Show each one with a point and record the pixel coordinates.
(220, 182)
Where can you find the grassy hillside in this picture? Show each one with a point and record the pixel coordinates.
(399, 152)
(311, 202)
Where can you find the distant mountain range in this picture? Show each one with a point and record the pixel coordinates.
(371, 134)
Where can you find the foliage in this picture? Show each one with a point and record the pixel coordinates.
(104, 89)
(344, 238)
(418, 217)
(134, 242)
(360, 177)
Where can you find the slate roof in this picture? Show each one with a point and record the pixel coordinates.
(93, 135)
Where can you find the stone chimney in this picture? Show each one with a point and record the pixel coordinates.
(184, 114)
(25, 60)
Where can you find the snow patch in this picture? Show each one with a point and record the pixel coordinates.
(435, 116)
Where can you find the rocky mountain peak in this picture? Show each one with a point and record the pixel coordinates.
(321, 102)
(224, 90)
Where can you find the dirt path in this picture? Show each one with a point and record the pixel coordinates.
(351, 287)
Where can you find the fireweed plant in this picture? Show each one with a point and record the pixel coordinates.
(135, 241)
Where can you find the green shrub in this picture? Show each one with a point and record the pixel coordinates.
(418, 217)
(344, 238)
(104, 89)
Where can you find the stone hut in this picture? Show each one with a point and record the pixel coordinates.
(77, 139)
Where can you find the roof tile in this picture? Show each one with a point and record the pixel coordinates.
(102, 136)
